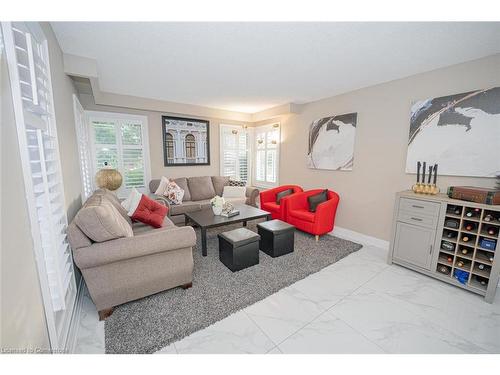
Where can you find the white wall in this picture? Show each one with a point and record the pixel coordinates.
(367, 192)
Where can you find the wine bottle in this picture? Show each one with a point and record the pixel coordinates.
(492, 231)
(480, 266)
(465, 239)
(488, 218)
(457, 210)
(465, 251)
(469, 213)
(451, 235)
(449, 259)
(460, 263)
(491, 258)
(470, 226)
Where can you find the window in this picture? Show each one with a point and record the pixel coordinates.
(120, 140)
(266, 155)
(234, 158)
(30, 77)
(83, 149)
(190, 148)
(169, 139)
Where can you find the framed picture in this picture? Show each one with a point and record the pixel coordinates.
(460, 132)
(331, 142)
(186, 141)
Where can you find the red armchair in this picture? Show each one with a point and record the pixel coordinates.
(268, 200)
(317, 223)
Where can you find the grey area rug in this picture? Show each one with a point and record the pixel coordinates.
(151, 323)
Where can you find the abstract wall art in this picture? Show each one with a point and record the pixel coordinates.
(331, 142)
(459, 132)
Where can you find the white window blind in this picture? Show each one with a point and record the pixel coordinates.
(234, 152)
(29, 70)
(120, 140)
(84, 152)
(266, 155)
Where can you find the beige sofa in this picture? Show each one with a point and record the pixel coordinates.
(198, 191)
(123, 261)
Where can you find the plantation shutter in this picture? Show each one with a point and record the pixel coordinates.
(234, 152)
(267, 140)
(84, 150)
(29, 71)
(120, 141)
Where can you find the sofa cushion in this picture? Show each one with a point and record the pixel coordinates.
(150, 212)
(101, 221)
(316, 199)
(219, 182)
(302, 214)
(283, 194)
(179, 209)
(116, 203)
(183, 184)
(270, 206)
(141, 228)
(201, 188)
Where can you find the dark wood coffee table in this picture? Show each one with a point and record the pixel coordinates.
(206, 219)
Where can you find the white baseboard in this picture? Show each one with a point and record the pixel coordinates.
(364, 239)
(75, 319)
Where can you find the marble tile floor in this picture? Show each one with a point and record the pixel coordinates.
(357, 305)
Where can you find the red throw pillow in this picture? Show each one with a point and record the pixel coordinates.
(150, 212)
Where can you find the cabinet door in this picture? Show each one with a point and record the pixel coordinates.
(414, 244)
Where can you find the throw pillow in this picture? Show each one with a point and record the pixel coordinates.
(174, 193)
(163, 186)
(236, 183)
(234, 192)
(128, 201)
(316, 199)
(282, 194)
(101, 221)
(150, 212)
(132, 201)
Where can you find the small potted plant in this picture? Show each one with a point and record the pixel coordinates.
(217, 204)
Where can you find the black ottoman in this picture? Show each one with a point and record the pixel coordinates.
(239, 249)
(276, 237)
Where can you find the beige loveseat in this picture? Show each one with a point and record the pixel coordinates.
(198, 191)
(123, 261)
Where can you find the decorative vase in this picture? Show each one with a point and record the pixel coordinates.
(217, 210)
(108, 178)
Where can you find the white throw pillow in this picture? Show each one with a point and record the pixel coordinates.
(174, 193)
(163, 186)
(234, 192)
(126, 203)
(134, 198)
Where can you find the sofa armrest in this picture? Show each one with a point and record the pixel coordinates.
(251, 195)
(157, 241)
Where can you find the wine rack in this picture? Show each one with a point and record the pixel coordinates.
(463, 248)
(468, 254)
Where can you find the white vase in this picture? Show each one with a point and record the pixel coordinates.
(217, 210)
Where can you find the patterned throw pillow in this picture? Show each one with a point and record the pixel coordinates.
(174, 193)
(236, 183)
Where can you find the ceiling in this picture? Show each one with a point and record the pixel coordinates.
(249, 67)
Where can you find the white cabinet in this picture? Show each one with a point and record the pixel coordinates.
(451, 240)
(414, 244)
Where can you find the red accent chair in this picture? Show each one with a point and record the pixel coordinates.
(316, 223)
(268, 200)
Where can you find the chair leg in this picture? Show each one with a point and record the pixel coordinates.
(317, 238)
(187, 286)
(106, 313)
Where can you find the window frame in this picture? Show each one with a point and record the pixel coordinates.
(249, 150)
(119, 118)
(259, 130)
